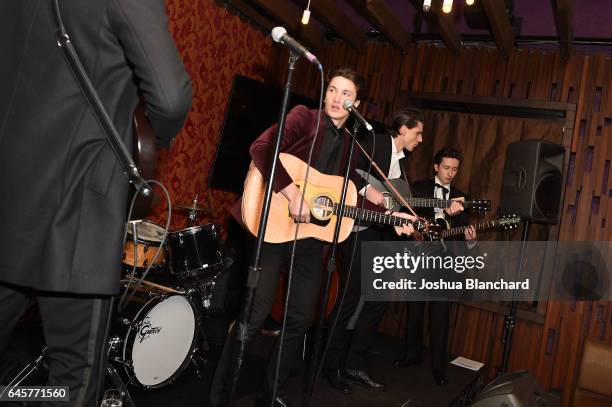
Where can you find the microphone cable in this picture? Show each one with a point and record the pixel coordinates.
(340, 304)
(294, 244)
(125, 299)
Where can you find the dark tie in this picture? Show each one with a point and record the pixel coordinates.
(444, 189)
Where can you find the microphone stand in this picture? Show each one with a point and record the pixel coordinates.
(314, 357)
(509, 320)
(93, 100)
(255, 268)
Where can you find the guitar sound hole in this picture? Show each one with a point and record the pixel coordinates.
(323, 208)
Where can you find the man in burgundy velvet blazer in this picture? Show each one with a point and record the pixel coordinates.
(330, 154)
(300, 127)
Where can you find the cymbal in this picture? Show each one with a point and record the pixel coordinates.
(192, 207)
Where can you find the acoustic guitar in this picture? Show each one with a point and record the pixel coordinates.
(321, 193)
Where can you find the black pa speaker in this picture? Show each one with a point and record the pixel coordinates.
(515, 389)
(533, 181)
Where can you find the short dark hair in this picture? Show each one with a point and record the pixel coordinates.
(448, 152)
(351, 75)
(408, 117)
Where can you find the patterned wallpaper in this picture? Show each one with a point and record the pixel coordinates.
(215, 46)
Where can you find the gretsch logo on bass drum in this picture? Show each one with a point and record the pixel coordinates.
(146, 330)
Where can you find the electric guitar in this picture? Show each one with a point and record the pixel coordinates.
(440, 229)
(403, 188)
(321, 193)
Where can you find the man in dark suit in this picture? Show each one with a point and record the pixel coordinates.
(446, 165)
(404, 135)
(64, 196)
(330, 155)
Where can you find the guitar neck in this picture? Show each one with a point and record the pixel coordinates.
(367, 215)
(460, 229)
(434, 202)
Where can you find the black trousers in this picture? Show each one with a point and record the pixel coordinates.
(74, 328)
(439, 314)
(305, 289)
(339, 346)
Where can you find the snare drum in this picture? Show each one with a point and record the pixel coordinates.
(196, 251)
(149, 237)
(158, 333)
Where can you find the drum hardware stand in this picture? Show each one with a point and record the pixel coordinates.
(114, 377)
(119, 384)
(25, 372)
(193, 214)
(193, 209)
(198, 361)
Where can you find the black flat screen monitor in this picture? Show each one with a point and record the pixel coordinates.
(252, 108)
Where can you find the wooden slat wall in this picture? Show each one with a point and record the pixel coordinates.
(550, 350)
(379, 63)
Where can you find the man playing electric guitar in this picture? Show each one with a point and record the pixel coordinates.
(446, 165)
(330, 156)
(405, 134)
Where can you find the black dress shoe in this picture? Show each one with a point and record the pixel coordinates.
(337, 381)
(407, 361)
(363, 378)
(279, 401)
(440, 377)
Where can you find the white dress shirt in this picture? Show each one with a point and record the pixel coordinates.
(439, 193)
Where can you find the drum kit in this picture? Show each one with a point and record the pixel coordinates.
(166, 290)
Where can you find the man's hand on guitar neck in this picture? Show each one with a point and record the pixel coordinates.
(294, 196)
(406, 229)
(375, 196)
(455, 207)
(470, 234)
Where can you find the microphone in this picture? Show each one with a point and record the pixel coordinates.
(348, 106)
(279, 34)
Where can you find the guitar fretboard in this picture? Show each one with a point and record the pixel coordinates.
(478, 226)
(435, 202)
(367, 215)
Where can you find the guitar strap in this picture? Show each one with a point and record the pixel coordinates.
(92, 98)
(388, 184)
(404, 176)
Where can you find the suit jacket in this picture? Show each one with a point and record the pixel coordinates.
(425, 189)
(381, 154)
(300, 127)
(64, 196)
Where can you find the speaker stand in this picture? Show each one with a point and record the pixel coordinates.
(509, 320)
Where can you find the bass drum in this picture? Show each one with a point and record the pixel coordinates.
(160, 338)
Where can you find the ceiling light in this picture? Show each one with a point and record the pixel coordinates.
(447, 6)
(426, 5)
(469, 2)
(306, 15)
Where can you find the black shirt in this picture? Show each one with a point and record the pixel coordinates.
(328, 161)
